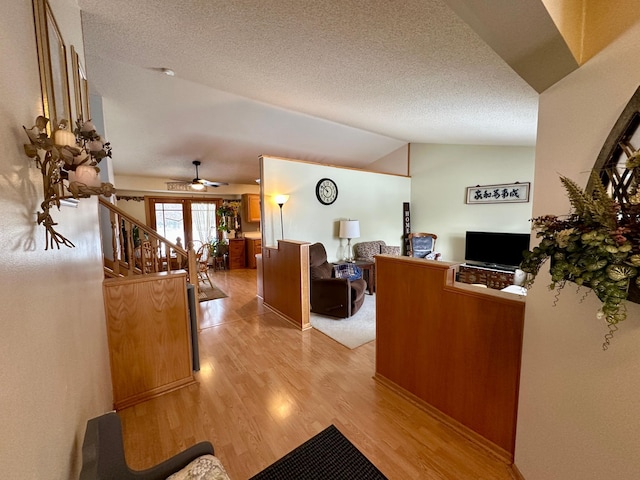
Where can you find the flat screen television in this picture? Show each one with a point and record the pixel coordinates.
(495, 250)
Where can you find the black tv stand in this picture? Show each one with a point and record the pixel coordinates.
(497, 278)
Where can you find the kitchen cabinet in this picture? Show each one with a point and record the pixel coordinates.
(236, 253)
(251, 205)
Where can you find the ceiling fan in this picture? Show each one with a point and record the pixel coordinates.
(197, 183)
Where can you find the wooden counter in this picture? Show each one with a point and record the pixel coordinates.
(453, 348)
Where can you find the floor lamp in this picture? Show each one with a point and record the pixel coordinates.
(281, 200)
(349, 229)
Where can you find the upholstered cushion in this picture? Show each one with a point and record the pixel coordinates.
(367, 250)
(358, 288)
(206, 467)
(390, 250)
(317, 254)
(422, 246)
(321, 271)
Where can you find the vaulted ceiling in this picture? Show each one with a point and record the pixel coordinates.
(342, 82)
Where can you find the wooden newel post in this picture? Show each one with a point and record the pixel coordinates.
(192, 268)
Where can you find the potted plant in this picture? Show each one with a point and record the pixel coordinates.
(229, 217)
(596, 246)
(219, 248)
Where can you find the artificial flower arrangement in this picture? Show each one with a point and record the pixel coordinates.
(229, 215)
(68, 161)
(596, 246)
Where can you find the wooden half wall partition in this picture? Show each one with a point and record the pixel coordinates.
(284, 281)
(149, 336)
(454, 349)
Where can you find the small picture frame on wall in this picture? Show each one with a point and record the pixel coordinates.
(52, 60)
(80, 87)
(517, 192)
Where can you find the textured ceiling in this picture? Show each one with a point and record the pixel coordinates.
(343, 82)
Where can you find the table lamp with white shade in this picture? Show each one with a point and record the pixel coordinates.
(349, 229)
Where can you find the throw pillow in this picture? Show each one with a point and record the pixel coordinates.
(347, 270)
(390, 250)
(206, 467)
(422, 244)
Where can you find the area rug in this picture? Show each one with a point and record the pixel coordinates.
(207, 293)
(328, 455)
(351, 332)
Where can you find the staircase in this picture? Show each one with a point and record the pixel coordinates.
(137, 249)
(147, 308)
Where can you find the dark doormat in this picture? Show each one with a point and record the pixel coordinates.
(328, 455)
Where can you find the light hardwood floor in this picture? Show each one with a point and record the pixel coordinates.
(265, 387)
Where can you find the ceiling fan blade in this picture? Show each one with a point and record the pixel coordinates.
(208, 183)
(196, 184)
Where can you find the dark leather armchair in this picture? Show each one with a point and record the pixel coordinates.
(336, 297)
(103, 454)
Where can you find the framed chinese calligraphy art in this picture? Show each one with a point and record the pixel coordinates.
(52, 59)
(517, 192)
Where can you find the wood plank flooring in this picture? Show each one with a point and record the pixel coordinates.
(265, 387)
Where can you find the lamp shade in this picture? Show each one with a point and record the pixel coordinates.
(281, 199)
(86, 175)
(349, 229)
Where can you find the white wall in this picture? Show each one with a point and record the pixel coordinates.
(440, 175)
(134, 208)
(372, 198)
(397, 162)
(54, 365)
(578, 414)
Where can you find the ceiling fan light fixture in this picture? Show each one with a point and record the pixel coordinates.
(196, 185)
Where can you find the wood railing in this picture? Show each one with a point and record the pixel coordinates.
(144, 253)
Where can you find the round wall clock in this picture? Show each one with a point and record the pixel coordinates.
(326, 191)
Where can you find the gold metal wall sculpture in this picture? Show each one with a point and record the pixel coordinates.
(68, 163)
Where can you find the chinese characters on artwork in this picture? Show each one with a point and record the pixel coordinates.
(505, 193)
(497, 193)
